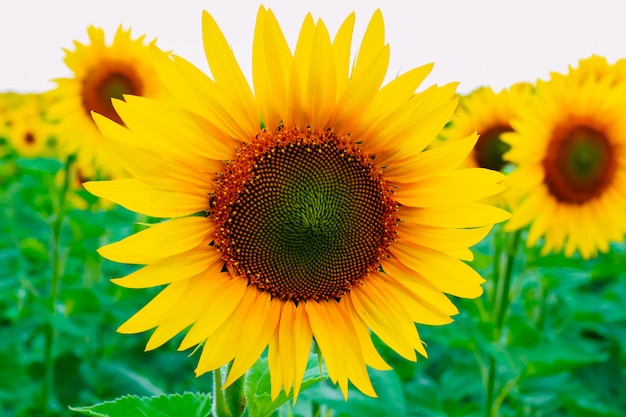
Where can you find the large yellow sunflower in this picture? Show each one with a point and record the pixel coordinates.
(570, 150)
(322, 222)
(101, 72)
(489, 114)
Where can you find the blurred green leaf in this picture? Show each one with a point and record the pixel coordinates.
(47, 165)
(80, 300)
(112, 378)
(558, 356)
(174, 405)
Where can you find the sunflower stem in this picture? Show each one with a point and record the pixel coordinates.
(503, 304)
(500, 308)
(229, 401)
(55, 255)
(497, 261)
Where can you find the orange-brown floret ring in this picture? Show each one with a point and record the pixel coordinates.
(303, 215)
(579, 164)
(109, 79)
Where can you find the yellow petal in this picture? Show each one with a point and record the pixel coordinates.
(255, 334)
(341, 51)
(390, 323)
(370, 354)
(420, 310)
(441, 239)
(298, 107)
(201, 95)
(271, 65)
(218, 349)
(227, 73)
(372, 42)
(302, 339)
(174, 268)
(226, 292)
(454, 216)
(444, 271)
(188, 310)
(321, 84)
(460, 187)
(137, 196)
(152, 313)
(430, 296)
(154, 243)
(432, 162)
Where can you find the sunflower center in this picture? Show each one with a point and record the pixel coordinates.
(490, 148)
(579, 165)
(303, 216)
(29, 138)
(111, 80)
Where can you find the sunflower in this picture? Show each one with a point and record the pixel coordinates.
(303, 210)
(101, 72)
(490, 114)
(25, 127)
(597, 67)
(569, 149)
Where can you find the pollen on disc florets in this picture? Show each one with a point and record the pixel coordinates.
(302, 215)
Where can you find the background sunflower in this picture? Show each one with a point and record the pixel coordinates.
(570, 174)
(101, 72)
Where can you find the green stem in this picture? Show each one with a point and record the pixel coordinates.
(50, 333)
(491, 382)
(229, 401)
(497, 255)
(505, 299)
(500, 309)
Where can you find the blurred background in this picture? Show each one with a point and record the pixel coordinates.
(484, 42)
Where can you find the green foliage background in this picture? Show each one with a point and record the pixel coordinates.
(561, 350)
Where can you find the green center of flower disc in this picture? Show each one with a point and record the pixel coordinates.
(302, 216)
(490, 148)
(109, 81)
(579, 165)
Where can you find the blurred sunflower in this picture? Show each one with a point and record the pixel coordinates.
(25, 127)
(305, 210)
(101, 72)
(569, 149)
(597, 67)
(489, 114)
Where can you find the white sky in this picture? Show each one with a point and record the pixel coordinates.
(476, 42)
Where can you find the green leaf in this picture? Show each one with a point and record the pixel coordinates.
(257, 387)
(111, 378)
(49, 165)
(187, 404)
(559, 356)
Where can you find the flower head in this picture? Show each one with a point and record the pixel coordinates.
(101, 72)
(568, 148)
(305, 209)
(489, 114)
(24, 124)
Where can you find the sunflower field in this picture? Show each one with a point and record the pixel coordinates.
(311, 240)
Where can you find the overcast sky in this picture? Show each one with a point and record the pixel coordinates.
(476, 42)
